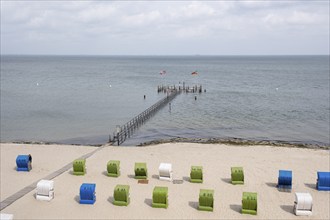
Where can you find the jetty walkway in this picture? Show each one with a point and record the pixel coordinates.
(126, 131)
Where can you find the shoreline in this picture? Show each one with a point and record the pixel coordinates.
(237, 141)
(226, 141)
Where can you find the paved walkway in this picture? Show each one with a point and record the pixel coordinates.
(32, 186)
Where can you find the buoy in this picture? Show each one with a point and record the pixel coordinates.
(110, 86)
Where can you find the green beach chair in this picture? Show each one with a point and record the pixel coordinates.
(196, 174)
(113, 168)
(249, 203)
(121, 195)
(206, 200)
(160, 197)
(237, 175)
(79, 167)
(141, 171)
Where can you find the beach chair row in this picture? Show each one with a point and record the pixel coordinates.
(121, 197)
(24, 163)
(196, 174)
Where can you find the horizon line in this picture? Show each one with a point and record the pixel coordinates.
(195, 55)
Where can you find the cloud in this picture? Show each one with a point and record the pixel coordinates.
(153, 24)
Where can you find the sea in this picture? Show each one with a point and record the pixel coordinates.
(81, 99)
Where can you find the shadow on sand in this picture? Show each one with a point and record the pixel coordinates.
(148, 202)
(287, 208)
(235, 207)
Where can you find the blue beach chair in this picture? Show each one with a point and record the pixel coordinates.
(87, 193)
(285, 180)
(323, 181)
(24, 162)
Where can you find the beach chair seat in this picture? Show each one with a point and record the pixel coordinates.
(45, 190)
(121, 195)
(206, 200)
(160, 197)
(285, 180)
(323, 181)
(24, 162)
(87, 193)
(113, 168)
(303, 204)
(165, 172)
(237, 175)
(196, 174)
(249, 203)
(79, 167)
(141, 171)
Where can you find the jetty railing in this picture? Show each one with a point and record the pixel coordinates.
(126, 131)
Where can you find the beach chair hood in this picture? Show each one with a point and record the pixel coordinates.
(206, 200)
(285, 180)
(303, 204)
(165, 171)
(249, 203)
(24, 162)
(141, 171)
(79, 167)
(237, 175)
(160, 197)
(45, 190)
(87, 193)
(323, 181)
(121, 195)
(113, 168)
(196, 174)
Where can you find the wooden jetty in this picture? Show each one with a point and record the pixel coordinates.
(126, 131)
(181, 88)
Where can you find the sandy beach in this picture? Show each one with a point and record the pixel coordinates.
(261, 165)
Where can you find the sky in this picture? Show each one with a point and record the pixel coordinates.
(165, 27)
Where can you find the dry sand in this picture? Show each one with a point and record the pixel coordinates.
(261, 165)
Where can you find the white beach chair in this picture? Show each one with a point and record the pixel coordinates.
(165, 172)
(45, 190)
(303, 204)
(4, 216)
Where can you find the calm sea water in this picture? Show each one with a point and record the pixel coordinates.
(81, 99)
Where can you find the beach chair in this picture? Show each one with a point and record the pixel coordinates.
(206, 200)
(323, 181)
(165, 172)
(121, 195)
(285, 180)
(237, 175)
(87, 193)
(4, 216)
(303, 204)
(196, 174)
(160, 197)
(45, 190)
(249, 203)
(141, 171)
(113, 168)
(24, 162)
(79, 167)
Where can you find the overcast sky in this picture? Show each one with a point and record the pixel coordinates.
(165, 28)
